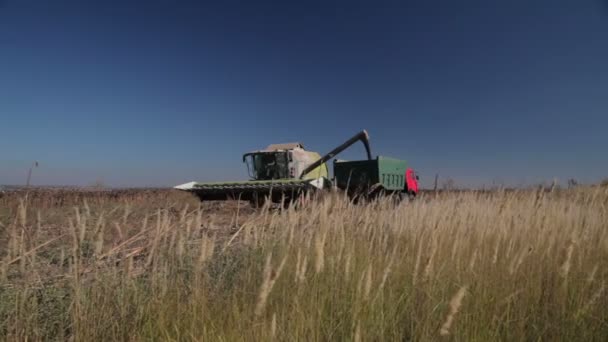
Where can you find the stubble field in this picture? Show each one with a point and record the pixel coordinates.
(158, 265)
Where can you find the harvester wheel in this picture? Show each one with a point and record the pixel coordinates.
(304, 199)
(296, 201)
(257, 200)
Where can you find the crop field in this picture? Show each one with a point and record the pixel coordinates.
(529, 265)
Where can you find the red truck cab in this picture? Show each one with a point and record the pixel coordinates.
(411, 182)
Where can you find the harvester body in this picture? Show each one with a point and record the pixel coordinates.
(283, 161)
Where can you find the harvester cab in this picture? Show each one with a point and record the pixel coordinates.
(282, 161)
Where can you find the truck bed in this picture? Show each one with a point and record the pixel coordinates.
(358, 175)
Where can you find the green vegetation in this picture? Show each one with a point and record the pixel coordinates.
(529, 265)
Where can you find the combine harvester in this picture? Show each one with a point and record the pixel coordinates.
(285, 172)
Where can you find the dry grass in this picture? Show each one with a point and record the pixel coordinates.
(158, 265)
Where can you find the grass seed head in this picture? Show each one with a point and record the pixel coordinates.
(455, 304)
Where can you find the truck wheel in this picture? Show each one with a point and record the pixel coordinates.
(407, 196)
(403, 196)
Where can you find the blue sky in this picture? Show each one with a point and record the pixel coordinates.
(157, 93)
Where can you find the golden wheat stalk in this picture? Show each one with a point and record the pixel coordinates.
(270, 277)
(320, 252)
(455, 304)
(596, 296)
(273, 326)
(368, 282)
(565, 268)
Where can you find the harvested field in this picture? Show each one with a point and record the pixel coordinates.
(157, 264)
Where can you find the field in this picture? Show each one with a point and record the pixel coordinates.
(158, 265)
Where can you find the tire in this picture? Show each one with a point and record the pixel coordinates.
(411, 195)
(407, 196)
(257, 200)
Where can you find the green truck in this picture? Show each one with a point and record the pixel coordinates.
(284, 172)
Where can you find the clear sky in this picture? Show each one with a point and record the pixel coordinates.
(158, 93)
